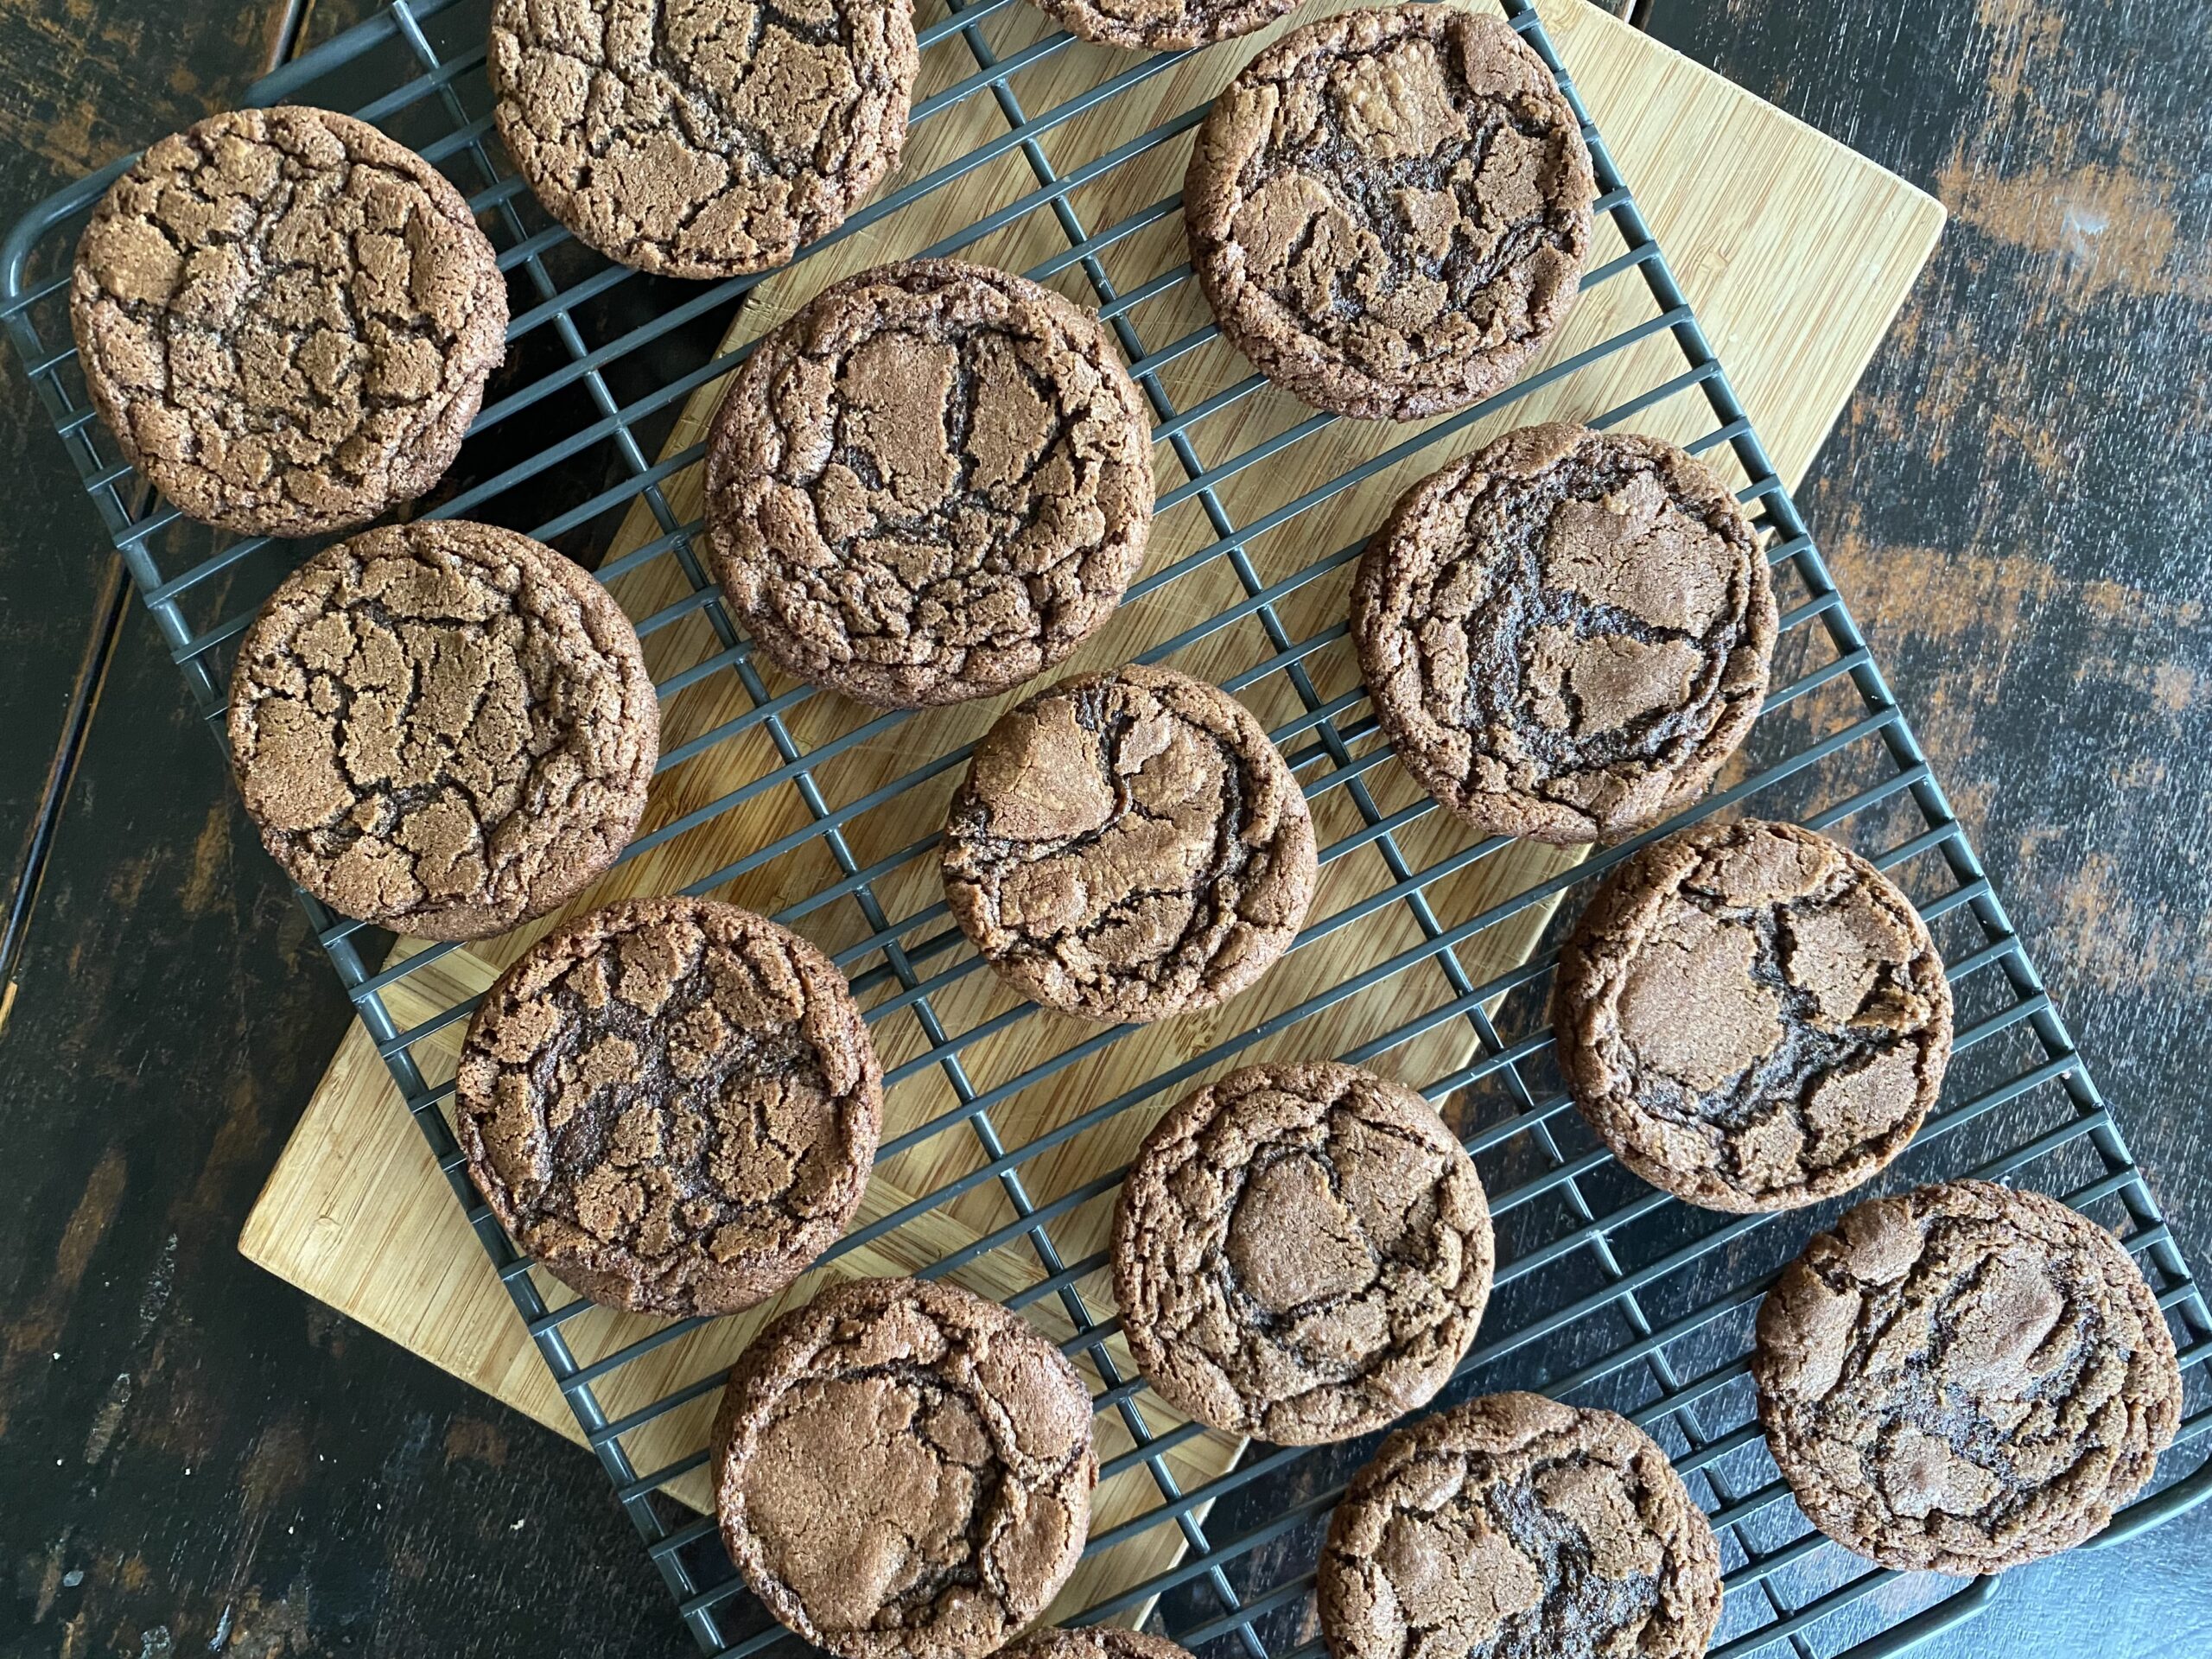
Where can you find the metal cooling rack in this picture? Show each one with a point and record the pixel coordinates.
(1607, 1292)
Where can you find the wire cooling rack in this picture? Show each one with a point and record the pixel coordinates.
(1607, 1292)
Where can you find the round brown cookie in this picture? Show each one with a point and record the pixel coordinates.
(287, 320)
(1164, 25)
(671, 1103)
(703, 138)
(1389, 209)
(1752, 1017)
(1964, 1378)
(929, 485)
(1093, 1642)
(1565, 634)
(1302, 1253)
(1519, 1528)
(1129, 846)
(445, 729)
(903, 1470)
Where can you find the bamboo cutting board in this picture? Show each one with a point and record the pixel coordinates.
(1797, 253)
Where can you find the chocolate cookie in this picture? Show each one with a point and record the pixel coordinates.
(444, 728)
(929, 485)
(1565, 633)
(1093, 1642)
(287, 320)
(1753, 1017)
(703, 138)
(1301, 1253)
(1515, 1526)
(1164, 25)
(1389, 209)
(1129, 846)
(671, 1103)
(1964, 1378)
(903, 1470)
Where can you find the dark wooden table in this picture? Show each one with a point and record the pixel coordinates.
(196, 1459)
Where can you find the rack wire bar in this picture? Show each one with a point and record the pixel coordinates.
(1607, 1292)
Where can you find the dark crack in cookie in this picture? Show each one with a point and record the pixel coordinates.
(1302, 1253)
(1129, 846)
(1093, 1642)
(287, 320)
(1389, 210)
(1164, 25)
(671, 1103)
(1751, 1016)
(1565, 634)
(444, 728)
(1964, 1378)
(929, 485)
(703, 138)
(903, 1470)
(1516, 1527)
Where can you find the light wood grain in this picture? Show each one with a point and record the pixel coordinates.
(1797, 254)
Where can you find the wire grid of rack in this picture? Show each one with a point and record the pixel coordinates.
(1607, 1292)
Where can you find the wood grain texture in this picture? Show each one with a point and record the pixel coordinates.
(2010, 502)
(217, 1464)
(1796, 252)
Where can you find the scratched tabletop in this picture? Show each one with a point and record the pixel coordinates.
(196, 1459)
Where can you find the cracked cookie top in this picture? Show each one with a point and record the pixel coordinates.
(703, 138)
(903, 1470)
(1519, 1528)
(287, 320)
(1964, 1378)
(445, 729)
(671, 1103)
(1565, 633)
(1164, 25)
(1751, 1016)
(929, 485)
(1129, 846)
(1389, 210)
(1093, 1642)
(1302, 1253)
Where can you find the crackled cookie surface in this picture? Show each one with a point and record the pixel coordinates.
(1389, 210)
(1753, 1017)
(1302, 1253)
(287, 320)
(703, 138)
(903, 1470)
(1164, 25)
(1517, 1527)
(1093, 1642)
(1565, 633)
(1964, 1378)
(671, 1103)
(1129, 846)
(443, 728)
(929, 485)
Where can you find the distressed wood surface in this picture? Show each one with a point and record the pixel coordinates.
(212, 1463)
